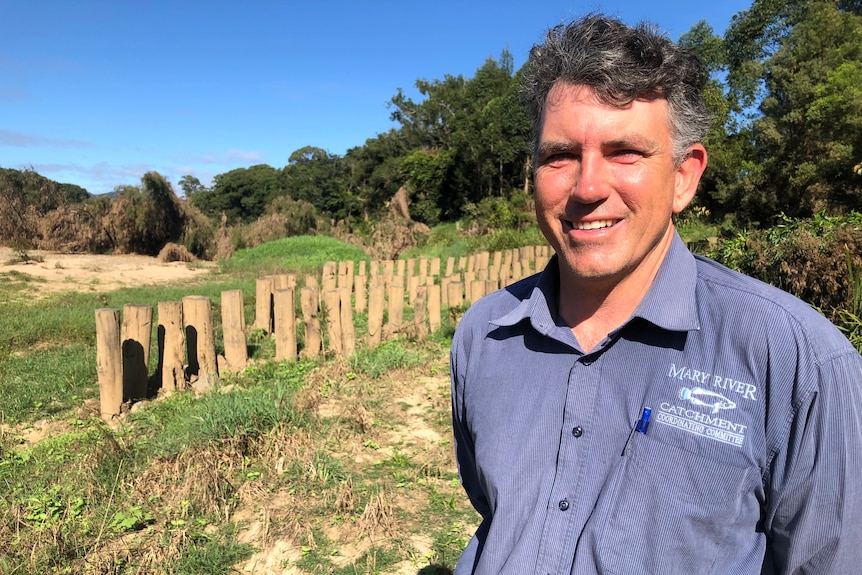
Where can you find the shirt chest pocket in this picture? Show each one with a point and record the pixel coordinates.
(671, 511)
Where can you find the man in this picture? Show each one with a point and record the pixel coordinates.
(634, 408)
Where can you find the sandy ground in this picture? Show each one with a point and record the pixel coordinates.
(88, 272)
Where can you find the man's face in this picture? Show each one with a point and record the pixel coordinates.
(606, 185)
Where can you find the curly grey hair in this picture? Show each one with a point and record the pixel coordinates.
(620, 64)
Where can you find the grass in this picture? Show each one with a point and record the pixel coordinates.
(447, 240)
(299, 254)
(325, 466)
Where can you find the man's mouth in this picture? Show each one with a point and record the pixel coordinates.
(594, 225)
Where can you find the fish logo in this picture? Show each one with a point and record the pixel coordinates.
(706, 398)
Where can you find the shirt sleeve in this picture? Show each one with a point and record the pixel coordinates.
(464, 448)
(813, 515)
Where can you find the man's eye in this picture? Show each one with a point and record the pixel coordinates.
(558, 158)
(627, 154)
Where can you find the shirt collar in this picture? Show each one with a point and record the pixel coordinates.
(670, 302)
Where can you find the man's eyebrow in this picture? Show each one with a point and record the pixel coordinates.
(550, 148)
(639, 142)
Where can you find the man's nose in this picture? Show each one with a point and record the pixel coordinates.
(591, 182)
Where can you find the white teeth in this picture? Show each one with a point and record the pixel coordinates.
(594, 225)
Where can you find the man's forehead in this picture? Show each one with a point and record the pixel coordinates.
(563, 91)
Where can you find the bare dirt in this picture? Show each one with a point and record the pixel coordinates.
(57, 272)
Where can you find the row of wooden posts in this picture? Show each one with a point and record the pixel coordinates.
(186, 334)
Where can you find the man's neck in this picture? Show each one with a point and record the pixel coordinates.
(595, 307)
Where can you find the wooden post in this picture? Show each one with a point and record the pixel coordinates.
(309, 300)
(376, 301)
(198, 317)
(388, 272)
(109, 362)
(517, 274)
(396, 305)
(413, 283)
(233, 328)
(360, 288)
(263, 304)
(469, 278)
(456, 301)
(542, 258)
(284, 281)
(444, 287)
(330, 278)
(348, 334)
(434, 305)
(477, 290)
(343, 279)
(462, 264)
(450, 266)
(332, 307)
(420, 312)
(135, 336)
(285, 324)
(351, 273)
(483, 260)
(494, 275)
(455, 294)
(172, 346)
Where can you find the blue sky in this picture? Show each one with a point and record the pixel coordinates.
(97, 93)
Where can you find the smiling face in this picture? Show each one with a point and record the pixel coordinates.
(606, 187)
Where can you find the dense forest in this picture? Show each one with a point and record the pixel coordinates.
(785, 89)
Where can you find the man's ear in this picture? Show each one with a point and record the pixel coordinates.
(688, 175)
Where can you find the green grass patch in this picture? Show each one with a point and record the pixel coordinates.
(300, 254)
(447, 240)
(389, 356)
(50, 382)
(248, 410)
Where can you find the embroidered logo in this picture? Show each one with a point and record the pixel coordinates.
(706, 398)
(699, 423)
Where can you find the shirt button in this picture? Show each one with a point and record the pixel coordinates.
(563, 505)
(578, 431)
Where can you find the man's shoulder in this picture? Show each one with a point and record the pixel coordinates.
(751, 302)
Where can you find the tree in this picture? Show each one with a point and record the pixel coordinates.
(241, 195)
(788, 116)
(374, 172)
(476, 126)
(315, 176)
(190, 186)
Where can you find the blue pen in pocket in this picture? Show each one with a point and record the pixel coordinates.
(641, 426)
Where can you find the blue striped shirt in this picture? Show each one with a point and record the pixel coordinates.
(751, 462)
